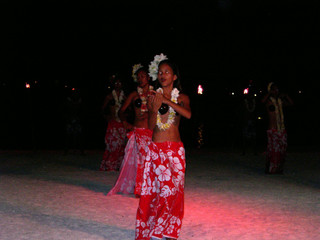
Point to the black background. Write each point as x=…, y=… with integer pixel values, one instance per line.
x=221, y=45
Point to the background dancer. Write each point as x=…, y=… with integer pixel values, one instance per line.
x=161, y=206
x=277, y=134
x=130, y=177
x=116, y=133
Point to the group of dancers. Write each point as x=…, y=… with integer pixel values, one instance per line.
x=153, y=165
x=149, y=152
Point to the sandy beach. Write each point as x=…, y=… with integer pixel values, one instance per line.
x=50, y=196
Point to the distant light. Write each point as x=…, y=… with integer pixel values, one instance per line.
x=35, y=81
x=73, y=89
x=65, y=86
x=200, y=90
x=299, y=91
x=232, y=93
x=27, y=85
x=246, y=91
x=259, y=118
x=255, y=94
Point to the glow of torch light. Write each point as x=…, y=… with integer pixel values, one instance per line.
x=246, y=91
x=27, y=85
x=200, y=90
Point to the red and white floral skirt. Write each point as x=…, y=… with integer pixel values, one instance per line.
x=131, y=170
x=276, y=150
x=115, y=140
x=161, y=206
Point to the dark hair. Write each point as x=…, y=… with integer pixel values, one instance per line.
x=114, y=77
x=175, y=69
x=144, y=69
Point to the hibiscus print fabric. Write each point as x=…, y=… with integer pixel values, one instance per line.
x=131, y=170
x=115, y=143
x=276, y=150
x=143, y=139
x=161, y=205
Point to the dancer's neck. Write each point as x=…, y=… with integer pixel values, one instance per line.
x=145, y=88
x=167, y=90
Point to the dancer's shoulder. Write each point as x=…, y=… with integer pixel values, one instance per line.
x=183, y=98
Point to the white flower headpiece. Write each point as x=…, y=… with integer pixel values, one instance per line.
x=153, y=67
x=135, y=68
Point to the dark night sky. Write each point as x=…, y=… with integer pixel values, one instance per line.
x=221, y=45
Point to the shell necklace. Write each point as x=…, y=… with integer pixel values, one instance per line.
x=279, y=113
x=143, y=97
x=118, y=101
x=172, y=114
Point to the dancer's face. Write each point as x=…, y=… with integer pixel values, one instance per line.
x=166, y=77
x=117, y=84
x=274, y=90
x=143, y=78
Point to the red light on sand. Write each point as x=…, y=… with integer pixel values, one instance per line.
x=27, y=85
x=246, y=91
x=200, y=90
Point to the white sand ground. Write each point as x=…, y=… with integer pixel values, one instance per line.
x=49, y=196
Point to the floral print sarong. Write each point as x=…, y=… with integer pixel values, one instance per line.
x=115, y=143
x=131, y=170
x=276, y=150
x=161, y=206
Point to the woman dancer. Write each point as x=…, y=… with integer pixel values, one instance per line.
x=116, y=133
x=161, y=205
x=277, y=134
x=130, y=177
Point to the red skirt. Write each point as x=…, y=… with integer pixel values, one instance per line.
x=276, y=150
x=161, y=206
x=131, y=170
x=115, y=143
x=143, y=139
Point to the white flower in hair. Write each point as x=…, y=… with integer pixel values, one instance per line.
x=135, y=68
x=153, y=67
